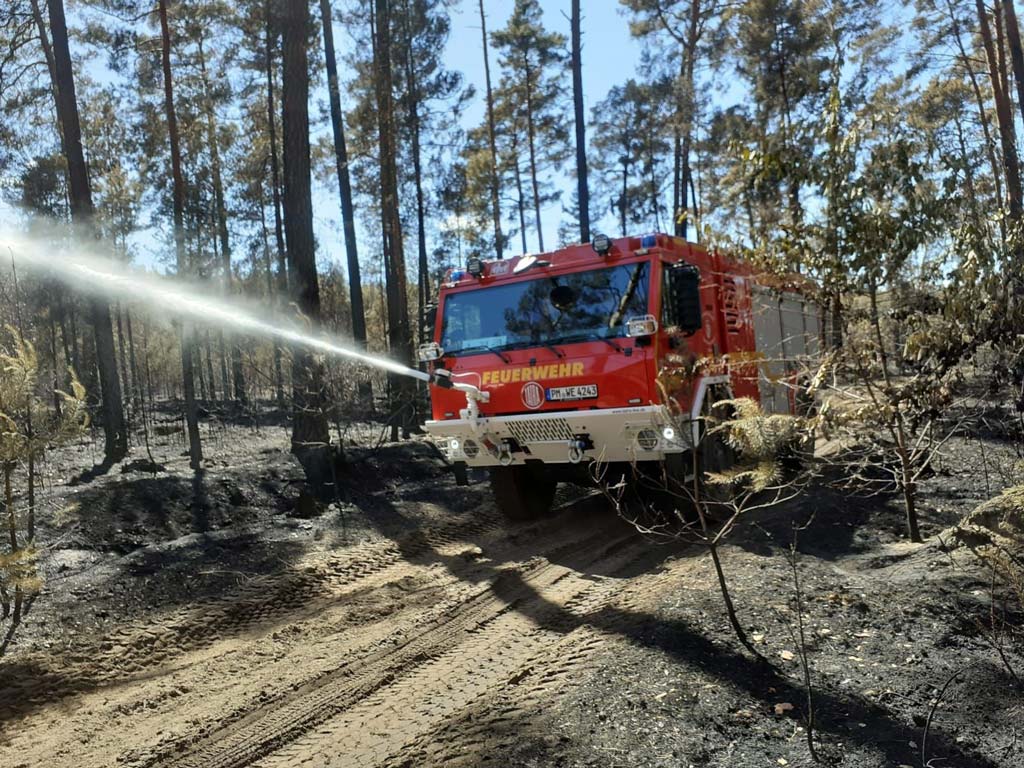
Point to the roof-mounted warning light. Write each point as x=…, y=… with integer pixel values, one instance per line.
x=602, y=245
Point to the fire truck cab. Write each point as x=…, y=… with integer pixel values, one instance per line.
x=609, y=352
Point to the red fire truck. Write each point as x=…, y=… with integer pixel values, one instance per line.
x=609, y=352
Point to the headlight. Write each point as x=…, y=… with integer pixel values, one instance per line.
x=647, y=439
x=668, y=433
x=454, y=444
x=470, y=448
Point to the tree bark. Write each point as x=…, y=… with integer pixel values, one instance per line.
x=186, y=337
x=1004, y=118
x=582, y=186
x=275, y=176
x=492, y=139
x=126, y=386
x=1017, y=61
x=531, y=137
x=423, y=281
x=272, y=295
x=398, y=304
x=237, y=371
x=114, y=430
x=310, y=436
x=355, y=285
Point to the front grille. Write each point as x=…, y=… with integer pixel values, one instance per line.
x=540, y=431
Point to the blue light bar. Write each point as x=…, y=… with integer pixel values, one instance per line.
x=648, y=241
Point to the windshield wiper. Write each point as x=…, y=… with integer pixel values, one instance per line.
x=483, y=348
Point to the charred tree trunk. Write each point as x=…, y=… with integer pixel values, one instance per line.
x=310, y=436
x=275, y=176
x=413, y=108
x=195, y=449
x=237, y=372
x=134, y=364
x=399, y=337
x=114, y=430
x=492, y=140
x=582, y=186
x=344, y=182
x=126, y=386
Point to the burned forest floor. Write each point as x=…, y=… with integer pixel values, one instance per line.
x=216, y=619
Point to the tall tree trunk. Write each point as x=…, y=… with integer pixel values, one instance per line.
x=114, y=431
x=55, y=381
x=355, y=285
x=204, y=393
x=212, y=140
x=398, y=304
x=44, y=40
x=622, y=200
x=126, y=386
x=521, y=197
x=1004, y=119
x=272, y=296
x=186, y=337
x=275, y=177
x=582, y=186
x=492, y=140
x=678, y=220
x=413, y=102
x=310, y=436
x=531, y=137
x=208, y=348
x=983, y=120
x=134, y=364
x=1017, y=60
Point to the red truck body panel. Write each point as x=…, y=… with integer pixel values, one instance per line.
x=625, y=370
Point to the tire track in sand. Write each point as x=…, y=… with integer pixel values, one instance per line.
x=142, y=646
x=471, y=646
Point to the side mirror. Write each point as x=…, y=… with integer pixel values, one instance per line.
x=429, y=352
x=684, y=295
x=429, y=318
x=644, y=325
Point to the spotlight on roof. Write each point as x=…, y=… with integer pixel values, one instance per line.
x=475, y=266
x=602, y=245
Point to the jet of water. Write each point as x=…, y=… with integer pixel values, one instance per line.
x=86, y=269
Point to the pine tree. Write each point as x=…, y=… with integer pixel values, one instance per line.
x=532, y=84
x=344, y=181
x=114, y=427
x=629, y=151
x=310, y=436
x=185, y=336
x=582, y=187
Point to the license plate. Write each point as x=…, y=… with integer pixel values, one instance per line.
x=575, y=392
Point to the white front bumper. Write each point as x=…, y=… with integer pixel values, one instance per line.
x=646, y=433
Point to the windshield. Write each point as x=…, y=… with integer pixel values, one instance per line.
x=548, y=310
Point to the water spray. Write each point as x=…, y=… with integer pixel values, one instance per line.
x=82, y=269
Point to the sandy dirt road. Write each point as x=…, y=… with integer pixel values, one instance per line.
x=432, y=648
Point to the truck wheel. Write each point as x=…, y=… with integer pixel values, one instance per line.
x=713, y=455
x=521, y=493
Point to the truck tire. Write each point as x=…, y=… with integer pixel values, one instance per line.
x=521, y=493
x=713, y=455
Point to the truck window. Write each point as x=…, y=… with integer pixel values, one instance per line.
x=546, y=310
